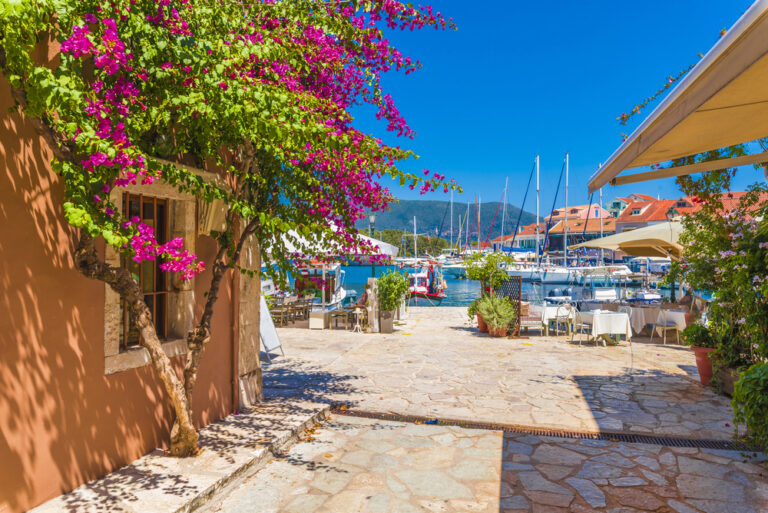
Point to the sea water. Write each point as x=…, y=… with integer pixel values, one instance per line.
x=461, y=292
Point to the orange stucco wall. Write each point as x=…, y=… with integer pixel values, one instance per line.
x=62, y=421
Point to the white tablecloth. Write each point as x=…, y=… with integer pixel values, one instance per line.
x=676, y=316
x=642, y=316
x=552, y=312
x=608, y=323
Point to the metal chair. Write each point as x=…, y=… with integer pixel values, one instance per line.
x=564, y=316
x=580, y=324
x=665, y=325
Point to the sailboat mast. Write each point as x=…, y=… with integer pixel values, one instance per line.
x=565, y=226
x=504, y=213
x=479, y=202
x=415, y=240
x=451, y=218
x=602, y=255
x=466, y=218
x=537, y=209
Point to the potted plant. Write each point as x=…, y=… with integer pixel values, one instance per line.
x=703, y=343
x=473, y=312
x=498, y=313
x=750, y=403
x=489, y=270
x=390, y=290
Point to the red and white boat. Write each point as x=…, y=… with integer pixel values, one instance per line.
x=427, y=283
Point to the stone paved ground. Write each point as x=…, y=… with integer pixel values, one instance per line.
x=438, y=365
x=360, y=465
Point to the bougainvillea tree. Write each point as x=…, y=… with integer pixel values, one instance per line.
x=259, y=93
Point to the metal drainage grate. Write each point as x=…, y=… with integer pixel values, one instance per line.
x=726, y=445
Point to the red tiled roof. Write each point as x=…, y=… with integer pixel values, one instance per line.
x=592, y=226
x=574, y=210
x=656, y=210
x=525, y=230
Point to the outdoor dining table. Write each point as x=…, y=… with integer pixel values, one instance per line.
x=644, y=315
x=551, y=313
x=606, y=323
x=676, y=316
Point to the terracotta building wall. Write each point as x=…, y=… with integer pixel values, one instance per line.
x=62, y=420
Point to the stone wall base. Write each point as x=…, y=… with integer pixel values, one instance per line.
x=251, y=392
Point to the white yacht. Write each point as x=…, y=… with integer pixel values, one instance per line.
x=526, y=270
x=557, y=274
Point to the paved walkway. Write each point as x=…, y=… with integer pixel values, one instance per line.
x=160, y=483
x=360, y=465
x=437, y=365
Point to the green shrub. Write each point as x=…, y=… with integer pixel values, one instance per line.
x=472, y=309
x=497, y=312
x=750, y=402
x=391, y=288
x=488, y=269
x=699, y=336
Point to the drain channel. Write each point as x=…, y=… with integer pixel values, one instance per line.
x=609, y=436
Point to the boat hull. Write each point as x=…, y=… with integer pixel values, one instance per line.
x=434, y=298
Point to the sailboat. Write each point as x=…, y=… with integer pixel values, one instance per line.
x=561, y=274
x=527, y=270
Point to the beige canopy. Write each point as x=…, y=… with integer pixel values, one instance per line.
x=722, y=101
x=656, y=240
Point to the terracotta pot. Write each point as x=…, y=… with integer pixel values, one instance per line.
x=481, y=325
x=728, y=378
x=703, y=363
x=497, y=332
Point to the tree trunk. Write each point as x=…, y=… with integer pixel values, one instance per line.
x=183, y=435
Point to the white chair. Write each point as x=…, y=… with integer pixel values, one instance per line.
x=564, y=316
x=663, y=325
x=627, y=310
x=581, y=325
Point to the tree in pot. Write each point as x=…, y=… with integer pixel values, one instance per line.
x=703, y=343
x=498, y=313
x=390, y=289
x=488, y=269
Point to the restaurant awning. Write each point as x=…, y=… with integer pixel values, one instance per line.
x=722, y=101
x=656, y=240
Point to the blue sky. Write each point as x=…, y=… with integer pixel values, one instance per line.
x=520, y=78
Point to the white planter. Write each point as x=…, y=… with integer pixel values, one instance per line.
x=386, y=321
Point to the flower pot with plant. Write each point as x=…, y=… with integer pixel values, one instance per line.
x=472, y=312
x=498, y=313
x=390, y=290
x=703, y=343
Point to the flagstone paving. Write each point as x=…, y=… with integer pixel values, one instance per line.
x=361, y=465
x=436, y=364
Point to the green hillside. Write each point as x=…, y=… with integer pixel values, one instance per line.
x=431, y=214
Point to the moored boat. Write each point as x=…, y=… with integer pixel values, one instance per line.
x=427, y=283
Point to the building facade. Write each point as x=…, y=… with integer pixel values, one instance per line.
x=79, y=396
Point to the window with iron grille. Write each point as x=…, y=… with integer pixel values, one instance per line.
x=152, y=280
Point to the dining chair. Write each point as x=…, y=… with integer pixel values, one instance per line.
x=663, y=324
x=581, y=324
x=564, y=316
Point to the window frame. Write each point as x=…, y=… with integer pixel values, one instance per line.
x=157, y=291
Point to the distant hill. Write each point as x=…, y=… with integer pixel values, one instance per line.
x=431, y=214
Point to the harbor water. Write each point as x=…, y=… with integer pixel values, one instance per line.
x=461, y=292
